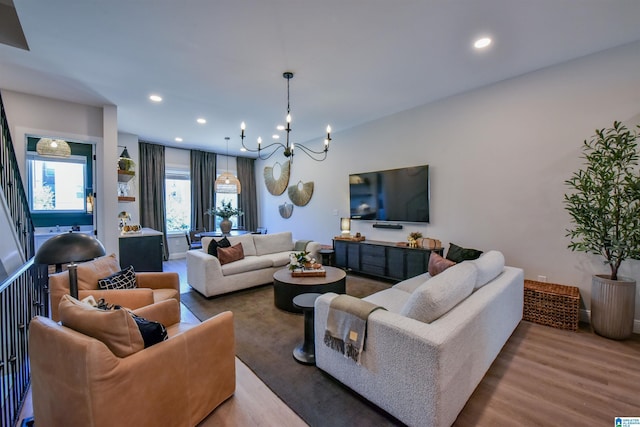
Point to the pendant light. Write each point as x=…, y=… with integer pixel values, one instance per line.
x=227, y=183
x=49, y=147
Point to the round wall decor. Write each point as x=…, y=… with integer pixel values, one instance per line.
x=277, y=186
x=301, y=193
x=285, y=210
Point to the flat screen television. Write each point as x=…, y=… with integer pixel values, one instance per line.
x=390, y=195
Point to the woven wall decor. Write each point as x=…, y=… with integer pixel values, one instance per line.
x=301, y=193
x=277, y=186
x=286, y=210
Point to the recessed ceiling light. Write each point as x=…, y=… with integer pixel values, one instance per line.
x=178, y=139
x=155, y=98
x=275, y=136
x=481, y=43
x=280, y=127
x=243, y=149
x=201, y=120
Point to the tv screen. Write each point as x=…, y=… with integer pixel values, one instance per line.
x=391, y=195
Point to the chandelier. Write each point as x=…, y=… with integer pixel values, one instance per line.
x=288, y=148
x=227, y=182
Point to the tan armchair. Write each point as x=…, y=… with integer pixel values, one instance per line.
x=152, y=286
x=78, y=381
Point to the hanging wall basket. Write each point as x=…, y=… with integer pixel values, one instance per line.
x=301, y=193
x=285, y=210
x=277, y=186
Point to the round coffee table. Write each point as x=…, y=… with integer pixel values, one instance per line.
x=287, y=287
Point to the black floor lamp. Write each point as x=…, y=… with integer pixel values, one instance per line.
x=69, y=248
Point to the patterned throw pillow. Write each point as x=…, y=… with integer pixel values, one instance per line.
x=215, y=244
x=125, y=279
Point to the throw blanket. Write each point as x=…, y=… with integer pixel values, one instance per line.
x=347, y=325
x=301, y=245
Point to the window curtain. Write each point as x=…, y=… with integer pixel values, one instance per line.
x=247, y=199
x=152, y=191
x=203, y=177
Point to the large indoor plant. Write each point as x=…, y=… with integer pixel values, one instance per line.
x=605, y=212
x=225, y=211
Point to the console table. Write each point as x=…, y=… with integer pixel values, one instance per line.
x=382, y=259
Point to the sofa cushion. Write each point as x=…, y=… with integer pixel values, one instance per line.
x=489, y=266
x=250, y=263
x=229, y=255
x=90, y=272
x=272, y=243
x=278, y=259
x=123, y=279
x=437, y=264
x=411, y=284
x=440, y=294
x=115, y=328
x=248, y=246
x=392, y=299
x=458, y=254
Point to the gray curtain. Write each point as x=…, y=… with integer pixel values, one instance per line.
x=247, y=199
x=203, y=177
x=152, y=191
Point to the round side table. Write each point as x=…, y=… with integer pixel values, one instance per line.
x=306, y=351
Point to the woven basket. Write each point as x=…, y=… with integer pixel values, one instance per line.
x=551, y=304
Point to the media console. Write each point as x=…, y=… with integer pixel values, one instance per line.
x=382, y=259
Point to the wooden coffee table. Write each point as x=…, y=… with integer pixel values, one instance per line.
x=286, y=287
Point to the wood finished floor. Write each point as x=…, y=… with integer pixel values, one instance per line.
x=542, y=377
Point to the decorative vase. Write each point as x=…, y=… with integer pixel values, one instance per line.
x=225, y=226
x=612, y=306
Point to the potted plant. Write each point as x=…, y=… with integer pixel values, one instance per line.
x=225, y=211
x=605, y=212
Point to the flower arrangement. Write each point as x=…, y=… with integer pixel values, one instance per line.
x=300, y=261
x=225, y=211
x=413, y=238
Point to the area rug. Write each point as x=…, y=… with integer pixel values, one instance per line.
x=265, y=339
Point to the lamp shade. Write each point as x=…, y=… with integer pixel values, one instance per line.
x=345, y=225
x=49, y=147
x=69, y=247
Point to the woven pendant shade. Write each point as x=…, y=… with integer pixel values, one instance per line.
x=53, y=147
x=227, y=183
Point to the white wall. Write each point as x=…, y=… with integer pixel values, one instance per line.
x=498, y=160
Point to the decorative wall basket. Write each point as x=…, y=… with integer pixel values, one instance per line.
x=277, y=186
x=301, y=193
x=285, y=210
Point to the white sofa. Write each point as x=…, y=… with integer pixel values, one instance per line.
x=424, y=371
x=264, y=254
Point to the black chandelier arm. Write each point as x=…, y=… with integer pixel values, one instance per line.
x=312, y=153
x=277, y=145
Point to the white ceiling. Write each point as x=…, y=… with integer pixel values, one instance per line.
x=354, y=60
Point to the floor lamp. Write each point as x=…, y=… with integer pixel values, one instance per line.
x=69, y=248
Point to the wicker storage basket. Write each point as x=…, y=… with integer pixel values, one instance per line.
x=551, y=304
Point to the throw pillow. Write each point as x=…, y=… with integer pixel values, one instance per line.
x=227, y=255
x=437, y=264
x=215, y=244
x=124, y=279
x=458, y=254
x=115, y=328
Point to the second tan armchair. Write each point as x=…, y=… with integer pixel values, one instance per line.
x=151, y=286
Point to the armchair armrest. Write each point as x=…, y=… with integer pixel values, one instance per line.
x=166, y=312
x=129, y=298
x=158, y=280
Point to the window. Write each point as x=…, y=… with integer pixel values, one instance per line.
x=57, y=184
x=178, y=197
x=227, y=164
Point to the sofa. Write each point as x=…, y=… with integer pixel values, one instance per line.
x=93, y=369
x=263, y=255
x=430, y=347
x=150, y=287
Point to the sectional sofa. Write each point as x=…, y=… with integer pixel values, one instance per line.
x=426, y=353
x=263, y=255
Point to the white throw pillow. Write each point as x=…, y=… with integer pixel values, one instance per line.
x=273, y=243
x=441, y=293
x=489, y=265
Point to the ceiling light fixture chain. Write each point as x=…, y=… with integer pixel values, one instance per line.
x=227, y=182
x=288, y=148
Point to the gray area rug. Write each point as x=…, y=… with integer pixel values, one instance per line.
x=265, y=339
